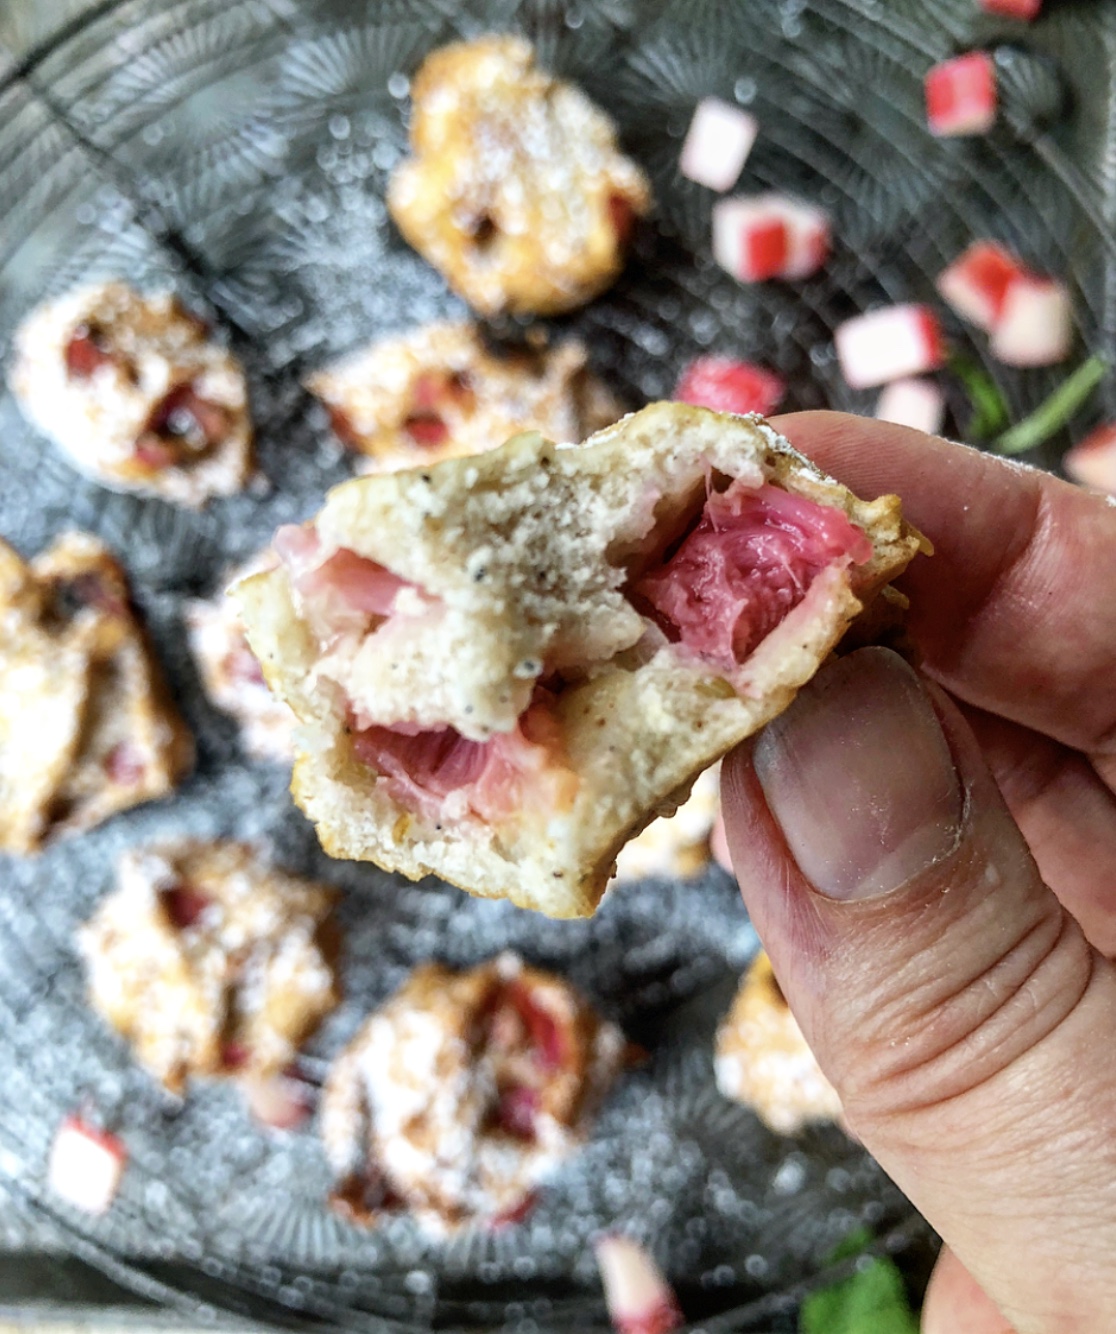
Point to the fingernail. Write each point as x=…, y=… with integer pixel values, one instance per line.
x=859, y=777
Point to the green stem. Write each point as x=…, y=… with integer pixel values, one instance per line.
x=1052, y=415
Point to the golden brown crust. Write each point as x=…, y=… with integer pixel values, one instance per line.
x=441, y=391
x=462, y=1092
x=209, y=962
x=516, y=190
x=763, y=1061
x=87, y=724
x=554, y=533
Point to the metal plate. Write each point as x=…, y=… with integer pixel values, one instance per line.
x=240, y=152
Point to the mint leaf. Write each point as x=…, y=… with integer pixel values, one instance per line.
x=990, y=410
x=1053, y=414
x=873, y=1300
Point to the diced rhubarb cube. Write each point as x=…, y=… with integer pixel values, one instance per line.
x=1035, y=327
x=639, y=1299
x=717, y=144
x=889, y=344
x=280, y=1101
x=961, y=95
x=976, y=283
x=919, y=404
x=769, y=236
x=1025, y=10
x=728, y=385
x=85, y=1165
x=809, y=232
x=1093, y=461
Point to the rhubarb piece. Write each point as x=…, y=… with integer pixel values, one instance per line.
x=209, y=962
x=769, y=236
x=762, y=1059
x=464, y=1092
x=976, y=283
x=442, y=392
x=136, y=393
x=727, y=385
x=1035, y=325
x=961, y=96
x=87, y=726
x=717, y=143
x=889, y=344
x=919, y=404
x=638, y=1297
x=538, y=224
x=231, y=673
x=1093, y=461
x=677, y=844
x=85, y=1166
x=565, y=639
x=1024, y=10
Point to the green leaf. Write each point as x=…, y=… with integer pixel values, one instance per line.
x=1053, y=414
x=990, y=410
x=872, y=1300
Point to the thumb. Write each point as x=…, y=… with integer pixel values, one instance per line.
x=962, y=1016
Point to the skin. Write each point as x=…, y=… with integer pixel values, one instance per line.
x=966, y=1013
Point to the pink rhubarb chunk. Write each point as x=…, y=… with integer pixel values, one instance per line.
x=1024, y=10
x=497, y=777
x=717, y=144
x=1035, y=326
x=85, y=1165
x=919, y=404
x=961, y=95
x=638, y=1297
x=1093, y=461
x=889, y=344
x=769, y=236
x=727, y=385
x=749, y=561
x=977, y=282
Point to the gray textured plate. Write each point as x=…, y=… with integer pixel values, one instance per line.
x=240, y=152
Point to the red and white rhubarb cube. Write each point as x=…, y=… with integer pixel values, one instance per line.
x=727, y=385
x=1093, y=461
x=717, y=144
x=1035, y=326
x=85, y=1165
x=961, y=95
x=769, y=236
x=919, y=404
x=639, y=1299
x=976, y=283
x=1025, y=10
x=889, y=344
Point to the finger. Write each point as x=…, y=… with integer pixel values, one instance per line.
x=1066, y=814
x=1014, y=610
x=957, y=1008
x=956, y=1303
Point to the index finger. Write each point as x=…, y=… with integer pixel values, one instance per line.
x=1016, y=610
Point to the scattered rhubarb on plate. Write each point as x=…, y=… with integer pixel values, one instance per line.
x=1035, y=325
x=85, y=1165
x=727, y=385
x=961, y=95
x=769, y=236
x=889, y=344
x=975, y=285
x=717, y=144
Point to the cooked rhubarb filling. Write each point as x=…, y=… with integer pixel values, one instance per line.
x=463, y=1092
x=723, y=582
x=750, y=559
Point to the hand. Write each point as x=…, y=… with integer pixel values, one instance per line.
x=930, y=861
